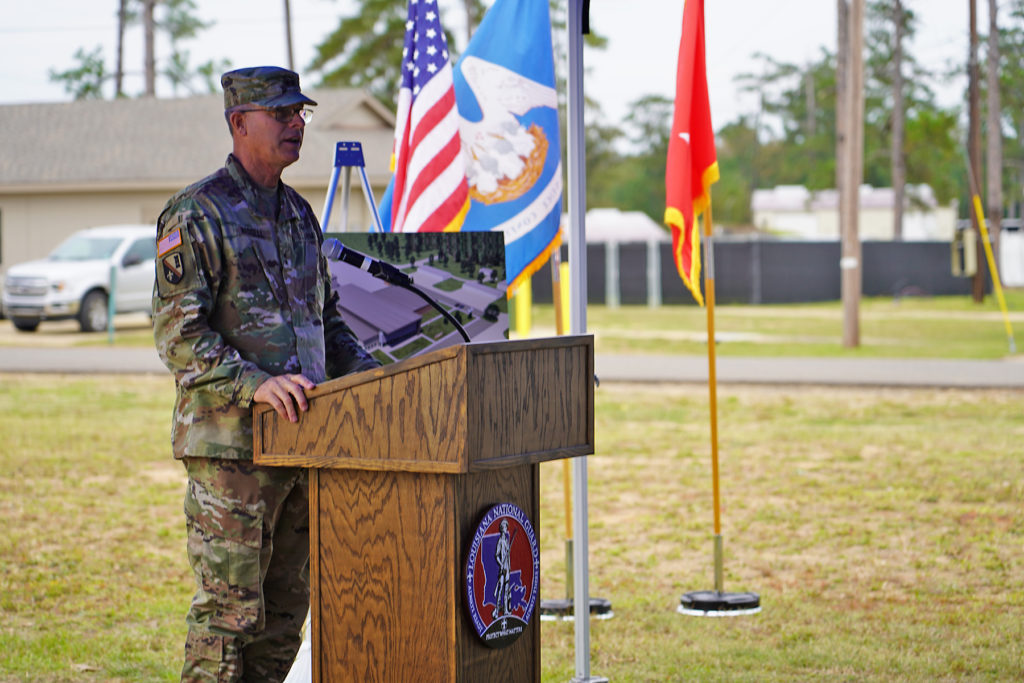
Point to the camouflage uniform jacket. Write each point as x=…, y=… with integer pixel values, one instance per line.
x=240, y=297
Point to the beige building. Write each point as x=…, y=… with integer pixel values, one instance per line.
x=73, y=165
x=793, y=211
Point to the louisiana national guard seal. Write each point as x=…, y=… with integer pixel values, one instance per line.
x=502, y=575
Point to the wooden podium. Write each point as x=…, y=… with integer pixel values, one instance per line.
x=404, y=460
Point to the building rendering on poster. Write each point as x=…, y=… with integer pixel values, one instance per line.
x=464, y=272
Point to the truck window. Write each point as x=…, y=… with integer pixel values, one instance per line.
x=142, y=250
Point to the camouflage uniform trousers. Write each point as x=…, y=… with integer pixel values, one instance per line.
x=248, y=544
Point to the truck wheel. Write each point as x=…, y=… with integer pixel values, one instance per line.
x=93, y=315
x=26, y=324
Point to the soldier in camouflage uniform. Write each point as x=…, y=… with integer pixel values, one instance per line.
x=244, y=312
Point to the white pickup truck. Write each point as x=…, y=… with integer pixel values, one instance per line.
x=74, y=280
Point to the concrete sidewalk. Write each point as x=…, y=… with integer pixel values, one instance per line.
x=81, y=360
x=891, y=372
x=1006, y=374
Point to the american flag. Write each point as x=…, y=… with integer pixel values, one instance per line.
x=430, y=190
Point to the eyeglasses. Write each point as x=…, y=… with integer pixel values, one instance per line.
x=284, y=114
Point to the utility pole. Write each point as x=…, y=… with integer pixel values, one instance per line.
x=811, y=102
x=852, y=172
x=149, y=23
x=122, y=19
x=842, y=53
x=899, y=162
x=974, y=146
x=472, y=20
x=288, y=34
x=994, y=139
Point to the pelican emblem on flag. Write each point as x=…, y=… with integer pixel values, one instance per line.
x=504, y=158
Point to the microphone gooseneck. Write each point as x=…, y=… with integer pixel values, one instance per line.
x=334, y=250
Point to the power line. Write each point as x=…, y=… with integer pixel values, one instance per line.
x=81, y=28
x=84, y=28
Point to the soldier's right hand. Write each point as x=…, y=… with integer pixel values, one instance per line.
x=285, y=393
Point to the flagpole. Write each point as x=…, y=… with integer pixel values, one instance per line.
x=709, y=297
x=576, y=206
x=556, y=290
x=716, y=602
x=553, y=609
x=987, y=244
x=690, y=171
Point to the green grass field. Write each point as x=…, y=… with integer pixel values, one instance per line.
x=933, y=327
x=883, y=529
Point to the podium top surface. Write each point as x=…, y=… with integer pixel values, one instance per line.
x=465, y=408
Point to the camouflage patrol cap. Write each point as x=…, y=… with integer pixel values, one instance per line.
x=264, y=86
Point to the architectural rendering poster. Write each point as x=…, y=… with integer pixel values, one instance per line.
x=462, y=271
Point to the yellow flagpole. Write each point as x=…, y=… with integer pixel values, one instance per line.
x=709, y=297
x=717, y=602
x=996, y=285
x=556, y=295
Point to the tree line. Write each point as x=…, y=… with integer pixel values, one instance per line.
x=788, y=139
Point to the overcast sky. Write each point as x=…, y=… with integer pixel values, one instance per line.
x=37, y=35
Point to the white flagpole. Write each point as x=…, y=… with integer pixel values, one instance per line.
x=576, y=205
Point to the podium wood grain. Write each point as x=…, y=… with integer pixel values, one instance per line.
x=460, y=409
x=391, y=600
x=404, y=462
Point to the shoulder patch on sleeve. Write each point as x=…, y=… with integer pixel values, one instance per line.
x=170, y=241
x=175, y=263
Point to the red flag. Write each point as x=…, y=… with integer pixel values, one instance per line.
x=430, y=189
x=692, y=164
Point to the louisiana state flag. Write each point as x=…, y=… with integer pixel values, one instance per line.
x=692, y=163
x=508, y=109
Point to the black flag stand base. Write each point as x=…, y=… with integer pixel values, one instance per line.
x=718, y=603
x=562, y=610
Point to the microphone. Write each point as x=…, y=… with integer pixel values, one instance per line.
x=336, y=251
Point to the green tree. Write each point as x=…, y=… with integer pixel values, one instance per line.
x=177, y=21
x=791, y=138
x=739, y=157
x=635, y=181
x=1011, y=91
x=84, y=81
x=796, y=120
x=896, y=91
x=365, y=50
x=602, y=163
x=934, y=152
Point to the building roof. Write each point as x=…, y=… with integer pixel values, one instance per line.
x=150, y=143
x=379, y=312
x=402, y=299
x=781, y=198
x=798, y=198
x=615, y=225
